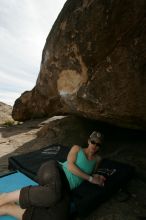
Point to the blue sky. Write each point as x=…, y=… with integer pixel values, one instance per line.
x=24, y=27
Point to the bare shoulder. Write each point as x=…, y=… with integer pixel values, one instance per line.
x=75, y=148
x=73, y=153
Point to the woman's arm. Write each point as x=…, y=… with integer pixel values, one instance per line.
x=76, y=171
x=98, y=160
x=100, y=179
x=71, y=159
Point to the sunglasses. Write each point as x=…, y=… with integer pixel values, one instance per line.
x=97, y=144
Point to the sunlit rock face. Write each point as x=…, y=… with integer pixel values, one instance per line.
x=5, y=114
x=93, y=65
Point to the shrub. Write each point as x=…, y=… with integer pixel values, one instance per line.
x=9, y=123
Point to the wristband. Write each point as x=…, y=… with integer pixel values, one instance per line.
x=90, y=179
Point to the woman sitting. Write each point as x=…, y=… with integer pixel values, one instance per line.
x=82, y=162
x=50, y=199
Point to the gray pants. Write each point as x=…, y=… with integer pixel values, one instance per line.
x=50, y=200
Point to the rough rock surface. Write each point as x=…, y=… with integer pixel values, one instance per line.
x=5, y=113
x=93, y=65
x=120, y=144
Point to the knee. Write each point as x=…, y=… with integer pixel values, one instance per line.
x=48, y=172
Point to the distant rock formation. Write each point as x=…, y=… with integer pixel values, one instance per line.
x=93, y=65
x=5, y=113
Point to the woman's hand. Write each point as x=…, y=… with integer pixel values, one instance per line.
x=71, y=160
x=98, y=179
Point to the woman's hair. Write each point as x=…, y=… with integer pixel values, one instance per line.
x=96, y=137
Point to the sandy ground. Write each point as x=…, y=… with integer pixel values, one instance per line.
x=18, y=139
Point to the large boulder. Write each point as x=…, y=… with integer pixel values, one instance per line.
x=93, y=65
x=5, y=114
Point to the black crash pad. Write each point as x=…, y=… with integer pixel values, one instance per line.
x=87, y=196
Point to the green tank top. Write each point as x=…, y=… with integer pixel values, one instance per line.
x=83, y=164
